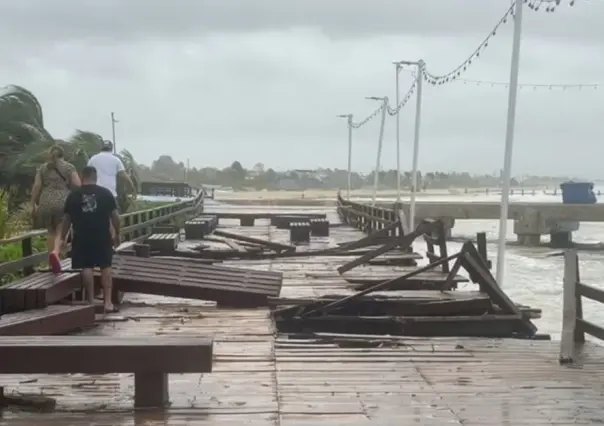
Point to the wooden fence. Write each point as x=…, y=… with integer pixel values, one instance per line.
x=135, y=227
x=574, y=326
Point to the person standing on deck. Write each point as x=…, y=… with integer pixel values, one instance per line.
x=109, y=169
x=52, y=184
x=91, y=209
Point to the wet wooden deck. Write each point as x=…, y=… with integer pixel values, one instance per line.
x=261, y=378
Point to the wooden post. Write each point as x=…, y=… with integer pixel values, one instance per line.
x=568, y=336
x=26, y=251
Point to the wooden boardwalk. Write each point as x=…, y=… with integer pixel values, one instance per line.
x=263, y=378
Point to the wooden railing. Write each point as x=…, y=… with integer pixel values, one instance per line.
x=367, y=218
x=373, y=219
x=574, y=326
x=135, y=227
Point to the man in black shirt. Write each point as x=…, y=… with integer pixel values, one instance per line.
x=91, y=209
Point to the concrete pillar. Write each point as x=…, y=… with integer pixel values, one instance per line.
x=530, y=227
x=561, y=232
x=561, y=239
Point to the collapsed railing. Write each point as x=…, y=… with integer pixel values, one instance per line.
x=490, y=313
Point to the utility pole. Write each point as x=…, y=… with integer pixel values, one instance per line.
x=398, y=68
x=113, y=121
x=349, y=117
x=418, y=114
x=376, y=177
x=509, y=140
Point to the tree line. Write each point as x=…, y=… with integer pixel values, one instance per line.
x=236, y=176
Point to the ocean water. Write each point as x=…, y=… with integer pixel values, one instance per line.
x=531, y=276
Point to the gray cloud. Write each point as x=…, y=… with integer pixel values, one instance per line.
x=44, y=20
x=215, y=81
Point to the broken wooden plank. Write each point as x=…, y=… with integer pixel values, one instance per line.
x=265, y=243
x=403, y=241
x=372, y=239
x=494, y=326
x=380, y=286
x=232, y=244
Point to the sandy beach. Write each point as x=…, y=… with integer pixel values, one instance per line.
x=328, y=196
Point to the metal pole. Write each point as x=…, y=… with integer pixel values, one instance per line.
x=349, y=155
x=509, y=140
x=113, y=121
x=349, y=121
x=398, y=141
x=418, y=113
x=376, y=177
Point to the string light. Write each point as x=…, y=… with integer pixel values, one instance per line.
x=534, y=5
x=368, y=118
x=446, y=78
x=406, y=98
x=454, y=75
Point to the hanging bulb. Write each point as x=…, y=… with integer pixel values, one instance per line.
x=572, y=2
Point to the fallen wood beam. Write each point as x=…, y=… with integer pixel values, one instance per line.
x=369, y=240
x=380, y=286
x=432, y=326
x=403, y=241
x=232, y=244
x=252, y=240
x=475, y=265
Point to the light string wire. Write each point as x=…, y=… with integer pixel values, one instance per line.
x=534, y=86
x=534, y=5
x=403, y=102
x=454, y=75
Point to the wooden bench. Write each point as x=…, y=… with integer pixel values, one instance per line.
x=38, y=290
x=56, y=319
x=151, y=359
x=184, y=278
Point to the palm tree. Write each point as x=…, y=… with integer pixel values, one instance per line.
x=24, y=142
x=22, y=139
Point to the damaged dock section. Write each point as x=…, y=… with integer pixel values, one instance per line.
x=349, y=326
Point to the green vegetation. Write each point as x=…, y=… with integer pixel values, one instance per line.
x=24, y=143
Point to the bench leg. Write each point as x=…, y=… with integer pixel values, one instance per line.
x=151, y=390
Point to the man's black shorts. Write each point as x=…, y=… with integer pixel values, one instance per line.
x=85, y=255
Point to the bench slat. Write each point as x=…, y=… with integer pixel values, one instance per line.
x=103, y=355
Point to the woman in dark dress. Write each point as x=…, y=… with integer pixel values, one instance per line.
x=53, y=182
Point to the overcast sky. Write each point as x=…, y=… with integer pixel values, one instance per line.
x=262, y=80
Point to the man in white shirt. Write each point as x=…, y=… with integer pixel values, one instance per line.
x=109, y=169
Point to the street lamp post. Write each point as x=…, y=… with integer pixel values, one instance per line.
x=376, y=176
x=398, y=68
x=349, y=118
x=418, y=113
x=509, y=140
x=113, y=121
